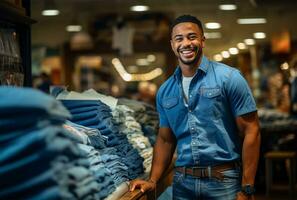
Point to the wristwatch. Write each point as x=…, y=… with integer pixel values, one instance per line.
x=248, y=189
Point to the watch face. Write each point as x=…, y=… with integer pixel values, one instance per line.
x=248, y=189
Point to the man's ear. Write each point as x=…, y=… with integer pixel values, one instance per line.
x=172, y=45
x=203, y=41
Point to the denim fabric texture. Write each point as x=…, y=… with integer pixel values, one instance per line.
x=206, y=130
x=186, y=187
x=40, y=159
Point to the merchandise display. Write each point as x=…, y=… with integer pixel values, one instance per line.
x=84, y=149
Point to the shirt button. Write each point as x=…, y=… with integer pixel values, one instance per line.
x=190, y=110
x=190, y=96
x=193, y=143
x=192, y=128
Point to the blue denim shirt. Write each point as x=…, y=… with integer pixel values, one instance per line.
x=206, y=130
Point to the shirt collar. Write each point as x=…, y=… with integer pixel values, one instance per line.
x=203, y=67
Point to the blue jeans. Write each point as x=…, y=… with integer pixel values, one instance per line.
x=186, y=187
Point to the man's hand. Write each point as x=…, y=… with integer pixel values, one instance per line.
x=142, y=185
x=241, y=196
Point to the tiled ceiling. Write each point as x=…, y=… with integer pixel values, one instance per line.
x=280, y=15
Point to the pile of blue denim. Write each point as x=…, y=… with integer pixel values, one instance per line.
x=40, y=159
x=272, y=120
x=97, y=115
x=146, y=115
x=124, y=117
x=101, y=157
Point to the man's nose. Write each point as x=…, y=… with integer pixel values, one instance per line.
x=186, y=42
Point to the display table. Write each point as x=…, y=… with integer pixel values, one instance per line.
x=164, y=182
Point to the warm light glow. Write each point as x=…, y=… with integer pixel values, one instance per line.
x=227, y=7
x=142, y=62
x=151, y=58
x=127, y=77
x=139, y=8
x=249, y=41
x=225, y=54
x=213, y=35
x=135, y=77
x=73, y=28
x=284, y=66
x=50, y=12
x=259, y=35
x=251, y=21
x=233, y=50
x=241, y=45
x=218, y=57
x=213, y=25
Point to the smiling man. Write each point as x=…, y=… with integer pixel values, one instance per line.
x=207, y=112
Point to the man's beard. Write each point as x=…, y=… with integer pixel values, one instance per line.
x=195, y=60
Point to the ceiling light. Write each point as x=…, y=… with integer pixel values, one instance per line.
x=213, y=25
x=241, y=45
x=73, y=28
x=227, y=7
x=213, y=35
x=233, y=50
x=251, y=21
x=249, y=41
x=50, y=12
x=139, y=8
x=218, y=57
x=50, y=8
x=259, y=35
x=225, y=54
x=151, y=58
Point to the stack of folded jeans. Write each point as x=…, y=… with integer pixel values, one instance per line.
x=124, y=117
x=95, y=114
x=146, y=115
x=85, y=135
x=39, y=158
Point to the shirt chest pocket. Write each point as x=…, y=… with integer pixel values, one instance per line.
x=210, y=100
x=169, y=103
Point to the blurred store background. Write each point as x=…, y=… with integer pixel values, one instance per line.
x=121, y=48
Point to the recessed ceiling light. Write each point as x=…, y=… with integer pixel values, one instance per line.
x=151, y=58
x=74, y=28
x=50, y=12
x=227, y=7
x=251, y=21
x=213, y=25
x=259, y=35
x=225, y=54
x=233, y=50
x=241, y=45
x=218, y=57
x=249, y=41
x=212, y=35
x=139, y=8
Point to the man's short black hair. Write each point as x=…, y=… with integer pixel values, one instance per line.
x=187, y=18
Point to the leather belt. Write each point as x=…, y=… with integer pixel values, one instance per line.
x=208, y=172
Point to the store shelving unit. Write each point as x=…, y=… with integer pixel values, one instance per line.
x=17, y=17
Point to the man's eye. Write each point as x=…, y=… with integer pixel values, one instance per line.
x=178, y=39
x=193, y=37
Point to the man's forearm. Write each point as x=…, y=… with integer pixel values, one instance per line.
x=250, y=156
x=163, y=153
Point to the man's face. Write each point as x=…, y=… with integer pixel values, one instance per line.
x=187, y=42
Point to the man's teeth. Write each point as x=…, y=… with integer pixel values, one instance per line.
x=186, y=51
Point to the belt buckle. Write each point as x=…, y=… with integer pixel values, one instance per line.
x=201, y=171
